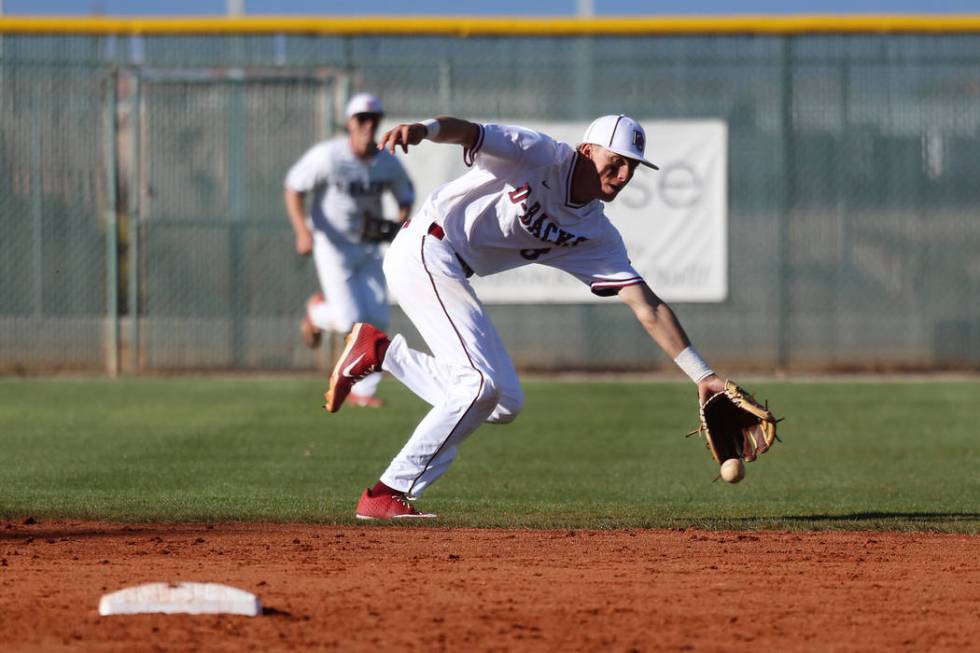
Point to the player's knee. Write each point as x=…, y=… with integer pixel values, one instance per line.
x=475, y=389
x=508, y=408
x=488, y=395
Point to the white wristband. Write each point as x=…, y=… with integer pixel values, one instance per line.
x=431, y=128
x=693, y=365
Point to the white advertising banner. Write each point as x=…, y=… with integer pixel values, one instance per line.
x=674, y=221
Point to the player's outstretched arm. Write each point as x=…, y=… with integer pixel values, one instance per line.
x=443, y=129
x=660, y=322
x=296, y=210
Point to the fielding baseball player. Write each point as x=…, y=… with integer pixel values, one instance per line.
x=347, y=176
x=528, y=199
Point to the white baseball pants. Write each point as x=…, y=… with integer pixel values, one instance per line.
x=468, y=379
x=353, y=284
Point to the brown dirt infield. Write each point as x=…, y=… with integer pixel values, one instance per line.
x=434, y=589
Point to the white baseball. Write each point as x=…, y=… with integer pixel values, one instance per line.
x=733, y=470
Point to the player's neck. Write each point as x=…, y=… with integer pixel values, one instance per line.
x=363, y=152
x=585, y=181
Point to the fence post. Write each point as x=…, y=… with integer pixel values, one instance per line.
x=841, y=168
x=446, y=86
x=584, y=78
x=237, y=131
x=111, y=235
x=37, y=246
x=133, y=251
x=787, y=201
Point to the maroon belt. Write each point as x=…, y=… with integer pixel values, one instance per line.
x=437, y=232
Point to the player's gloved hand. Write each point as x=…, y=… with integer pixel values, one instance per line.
x=735, y=425
x=708, y=386
x=379, y=230
x=304, y=243
x=403, y=135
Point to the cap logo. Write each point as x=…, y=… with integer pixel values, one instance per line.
x=638, y=141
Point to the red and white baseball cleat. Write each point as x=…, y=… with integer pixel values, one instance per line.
x=365, y=401
x=366, y=347
x=312, y=334
x=388, y=506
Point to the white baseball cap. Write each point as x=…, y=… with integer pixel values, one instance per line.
x=364, y=103
x=620, y=134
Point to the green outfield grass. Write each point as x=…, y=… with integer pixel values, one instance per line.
x=878, y=455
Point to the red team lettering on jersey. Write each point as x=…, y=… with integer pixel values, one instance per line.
x=540, y=226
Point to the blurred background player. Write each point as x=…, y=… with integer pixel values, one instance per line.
x=344, y=229
x=528, y=199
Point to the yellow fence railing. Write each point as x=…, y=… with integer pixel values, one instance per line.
x=495, y=26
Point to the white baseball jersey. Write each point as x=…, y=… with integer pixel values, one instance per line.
x=515, y=208
x=512, y=209
x=345, y=187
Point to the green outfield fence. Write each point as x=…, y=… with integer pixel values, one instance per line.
x=141, y=163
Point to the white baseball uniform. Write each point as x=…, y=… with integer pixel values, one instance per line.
x=345, y=189
x=513, y=208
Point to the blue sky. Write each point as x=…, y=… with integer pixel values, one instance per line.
x=496, y=7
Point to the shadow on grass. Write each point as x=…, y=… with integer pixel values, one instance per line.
x=943, y=522
x=871, y=516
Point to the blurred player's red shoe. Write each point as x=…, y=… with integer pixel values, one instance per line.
x=366, y=347
x=365, y=401
x=311, y=333
x=388, y=506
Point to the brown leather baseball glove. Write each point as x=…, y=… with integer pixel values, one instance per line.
x=736, y=425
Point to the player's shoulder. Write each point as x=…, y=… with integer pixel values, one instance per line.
x=551, y=171
x=386, y=158
x=335, y=145
x=324, y=149
x=514, y=132
x=553, y=164
x=608, y=232
x=564, y=155
x=602, y=231
x=539, y=149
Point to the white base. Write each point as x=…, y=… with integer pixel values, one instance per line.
x=182, y=598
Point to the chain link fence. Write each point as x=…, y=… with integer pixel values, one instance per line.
x=217, y=281
x=142, y=227
x=56, y=228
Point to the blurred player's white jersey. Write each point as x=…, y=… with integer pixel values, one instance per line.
x=346, y=188
x=515, y=208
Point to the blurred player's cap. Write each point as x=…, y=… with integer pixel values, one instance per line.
x=620, y=134
x=364, y=103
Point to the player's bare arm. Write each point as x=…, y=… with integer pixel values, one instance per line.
x=443, y=129
x=661, y=323
x=296, y=210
